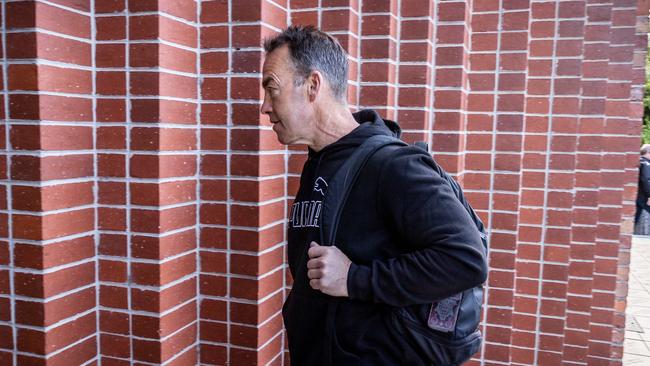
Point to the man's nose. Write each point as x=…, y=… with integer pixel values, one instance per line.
x=266, y=106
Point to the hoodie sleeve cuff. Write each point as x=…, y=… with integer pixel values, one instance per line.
x=359, y=282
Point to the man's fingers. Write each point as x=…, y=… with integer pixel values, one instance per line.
x=314, y=274
x=315, y=284
x=317, y=251
x=315, y=263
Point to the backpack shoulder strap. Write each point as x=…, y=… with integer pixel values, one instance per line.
x=342, y=182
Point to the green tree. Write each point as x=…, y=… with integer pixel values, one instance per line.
x=645, y=132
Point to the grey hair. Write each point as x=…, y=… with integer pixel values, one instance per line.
x=645, y=149
x=311, y=50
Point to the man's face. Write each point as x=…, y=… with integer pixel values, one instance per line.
x=286, y=105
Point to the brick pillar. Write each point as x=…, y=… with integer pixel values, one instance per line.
x=450, y=68
x=588, y=163
x=112, y=107
x=507, y=33
x=48, y=302
x=379, y=54
x=609, y=232
x=415, y=73
x=243, y=190
x=148, y=178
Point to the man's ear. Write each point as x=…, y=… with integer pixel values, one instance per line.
x=314, y=84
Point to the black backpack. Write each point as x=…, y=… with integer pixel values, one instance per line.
x=434, y=341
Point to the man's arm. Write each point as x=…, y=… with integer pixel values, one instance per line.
x=445, y=252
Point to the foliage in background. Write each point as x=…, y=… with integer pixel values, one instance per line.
x=645, y=133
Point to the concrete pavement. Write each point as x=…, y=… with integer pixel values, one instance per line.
x=637, y=330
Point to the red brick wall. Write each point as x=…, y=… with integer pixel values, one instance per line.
x=143, y=197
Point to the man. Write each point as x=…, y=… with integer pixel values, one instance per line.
x=403, y=240
x=642, y=216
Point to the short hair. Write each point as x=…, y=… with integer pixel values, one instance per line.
x=312, y=49
x=645, y=149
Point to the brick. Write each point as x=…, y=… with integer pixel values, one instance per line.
x=254, y=266
x=485, y=23
x=214, y=37
x=48, y=198
x=159, y=248
x=42, y=286
x=482, y=62
x=165, y=166
x=154, y=328
x=112, y=271
x=111, y=165
x=162, y=139
x=53, y=225
x=32, y=137
x=214, y=88
x=252, y=290
x=46, y=314
x=213, y=285
x=543, y=29
x=50, y=47
x=115, y=345
x=111, y=83
x=244, y=89
x=451, y=11
x=154, y=194
x=112, y=244
x=163, y=84
x=111, y=110
x=338, y=20
x=150, y=221
x=49, y=78
x=52, y=255
x=35, y=342
x=515, y=21
x=113, y=296
x=50, y=107
x=45, y=16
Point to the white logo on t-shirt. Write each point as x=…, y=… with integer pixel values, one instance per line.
x=320, y=185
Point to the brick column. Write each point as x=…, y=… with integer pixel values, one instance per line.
x=48, y=301
x=614, y=166
x=379, y=54
x=243, y=189
x=451, y=48
x=148, y=166
x=415, y=72
x=112, y=107
x=588, y=163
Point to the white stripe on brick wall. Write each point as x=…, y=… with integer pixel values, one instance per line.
x=8, y=147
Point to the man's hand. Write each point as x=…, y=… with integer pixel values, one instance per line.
x=648, y=202
x=327, y=270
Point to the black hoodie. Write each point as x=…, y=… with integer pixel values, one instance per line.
x=408, y=237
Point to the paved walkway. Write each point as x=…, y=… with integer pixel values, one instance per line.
x=637, y=331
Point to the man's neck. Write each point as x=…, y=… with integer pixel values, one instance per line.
x=332, y=125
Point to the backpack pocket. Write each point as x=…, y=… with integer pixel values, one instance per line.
x=436, y=347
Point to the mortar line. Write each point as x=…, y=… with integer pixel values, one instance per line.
x=9, y=184
x=127, y=169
